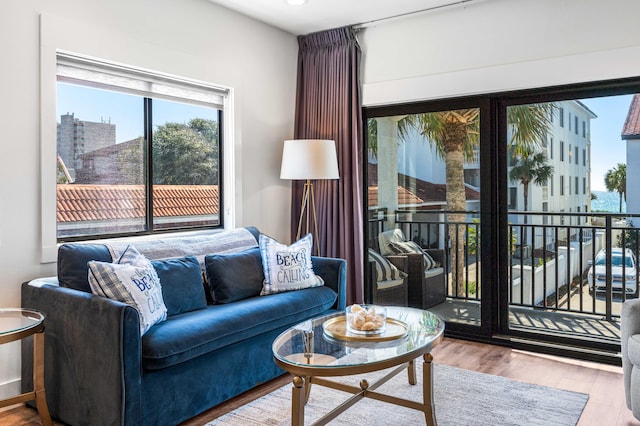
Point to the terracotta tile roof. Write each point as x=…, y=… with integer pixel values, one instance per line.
x=631, y=128
x=78, y=203
x=404, y=196
x=414, y=191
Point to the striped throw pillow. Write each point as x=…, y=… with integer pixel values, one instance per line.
x=385, y=270
x=405, y=247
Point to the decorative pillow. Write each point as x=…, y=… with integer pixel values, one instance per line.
x=182, y=286
x=133, y=280
x=287, y=267
x=411, y=247
x=385, y=270
x=234, y=276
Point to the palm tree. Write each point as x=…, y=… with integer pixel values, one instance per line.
x=531, y=168
x=615, y=180
x=455, y=135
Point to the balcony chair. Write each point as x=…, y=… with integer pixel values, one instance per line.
x=630, y=342
x=387, y=282
x=426, y=278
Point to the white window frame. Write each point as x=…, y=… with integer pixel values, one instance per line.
x=48, y=120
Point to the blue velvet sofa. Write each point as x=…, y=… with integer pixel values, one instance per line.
x=99, y=370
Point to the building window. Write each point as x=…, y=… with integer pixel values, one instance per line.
x=561, y=116
x=551, y=186
x=584, y=185
x=584, y=157
x=551, y=147
x=575, y=186
x=137, y=152
x=561, y=185
x=569, y=193
x=576, y=154
x=575, y=124
x=561, y=150
x=584, y=129
x=569, y=121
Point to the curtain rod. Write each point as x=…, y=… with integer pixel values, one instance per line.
x=404, y=15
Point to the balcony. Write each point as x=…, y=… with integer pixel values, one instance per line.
x=549, y=259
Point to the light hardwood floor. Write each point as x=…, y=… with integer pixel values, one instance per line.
x=603, y=383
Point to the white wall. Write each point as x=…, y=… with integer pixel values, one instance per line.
x=498, y=45
x=189, y=38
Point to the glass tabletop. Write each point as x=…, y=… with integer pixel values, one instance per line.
x=309, y=345
x=16, y=320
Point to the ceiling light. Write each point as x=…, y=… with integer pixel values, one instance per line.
x=296, y=2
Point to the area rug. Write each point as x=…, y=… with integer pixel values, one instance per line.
x=461, y=397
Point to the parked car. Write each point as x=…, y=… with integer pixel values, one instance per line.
x=617, y=271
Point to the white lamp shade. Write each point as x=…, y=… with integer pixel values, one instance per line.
x=304, y=159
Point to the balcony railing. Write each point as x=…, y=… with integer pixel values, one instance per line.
x=550, y=256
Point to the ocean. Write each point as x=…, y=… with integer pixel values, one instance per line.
x=607, y=202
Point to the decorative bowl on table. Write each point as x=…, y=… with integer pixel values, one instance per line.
x=366, y=319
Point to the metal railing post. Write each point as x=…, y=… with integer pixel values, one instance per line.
x=609, y=284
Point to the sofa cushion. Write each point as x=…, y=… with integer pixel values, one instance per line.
x=186, y=336
x=633, y=349
x=182, y=286
x=235, y=276
x=285, y=267
x=404, y=247
x=72, y=263
x=133, y=280
x=385, y=270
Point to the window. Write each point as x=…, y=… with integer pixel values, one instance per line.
x=561, y=150
x=584, y=157
x=569, y=193
x=551, y=185
x=561, y=116
x=575, y=127
x=569, y=121
x=576, y=154
x=561, y=185
x=584, y=185
x=575, y=186
x=137, y=152
x=584, y=129
x=513, y=198
x=551, y=147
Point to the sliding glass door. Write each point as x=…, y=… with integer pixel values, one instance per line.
x=424, y=182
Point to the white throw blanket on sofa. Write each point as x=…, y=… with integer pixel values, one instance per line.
x=230, y=241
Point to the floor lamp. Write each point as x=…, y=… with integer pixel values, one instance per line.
x=309, y=159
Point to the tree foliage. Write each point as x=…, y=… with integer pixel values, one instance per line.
x=615, y=180
x=186, y=154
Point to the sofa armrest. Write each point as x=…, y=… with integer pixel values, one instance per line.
x=92, y=356
x=629, y=326
x=334, y=273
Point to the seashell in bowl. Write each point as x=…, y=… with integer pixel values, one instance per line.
x=366, y=319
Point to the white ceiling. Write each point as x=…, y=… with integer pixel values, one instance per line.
x=319, y=15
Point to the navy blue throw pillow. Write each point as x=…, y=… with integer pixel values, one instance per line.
x=181, y=280
x=234, y=276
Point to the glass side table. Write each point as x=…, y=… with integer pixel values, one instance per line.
x=17, y=324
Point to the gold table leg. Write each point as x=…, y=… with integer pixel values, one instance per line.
x=38, y=379
x=298, y=399
x=427, y=390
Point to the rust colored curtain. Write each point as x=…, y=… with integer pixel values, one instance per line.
x=328, y=106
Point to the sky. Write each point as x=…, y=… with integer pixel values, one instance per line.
x=125, y=111
x=607, y=148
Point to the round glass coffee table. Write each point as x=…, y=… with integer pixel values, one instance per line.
x=321, y=347
x=16, y=324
